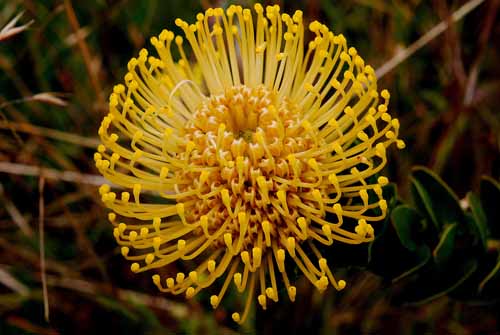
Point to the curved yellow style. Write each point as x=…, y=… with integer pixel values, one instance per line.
x=241, y=162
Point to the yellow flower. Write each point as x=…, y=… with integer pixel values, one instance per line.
x=234, y=171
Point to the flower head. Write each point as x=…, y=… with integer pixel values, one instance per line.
x=257, y=155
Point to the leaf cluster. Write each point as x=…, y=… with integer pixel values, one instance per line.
x=440, y=245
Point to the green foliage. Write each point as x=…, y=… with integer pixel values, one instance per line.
x=438, y=247
x=427, y=95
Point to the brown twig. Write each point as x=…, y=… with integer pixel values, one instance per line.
x=41, y=185
x=69, y=176
x=460, y=113
x=438, y=29
x=7, y=279
x=484, y=36
x=452, y=42
x=85, y=245
x=85, y=51
x=15, y=214
x=19, y=253
x=50, y=133
x=177, y=310
x=28, y=326
x=11, y=29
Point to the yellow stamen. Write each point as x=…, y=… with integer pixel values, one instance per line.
x=239, y=158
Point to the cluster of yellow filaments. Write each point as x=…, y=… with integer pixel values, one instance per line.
x=248, y=160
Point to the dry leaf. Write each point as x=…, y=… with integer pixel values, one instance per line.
x=49, y=98
x=10, y=29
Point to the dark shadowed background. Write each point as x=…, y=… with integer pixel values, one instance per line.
x=55, y=78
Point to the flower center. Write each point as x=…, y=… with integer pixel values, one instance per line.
x=249, y=176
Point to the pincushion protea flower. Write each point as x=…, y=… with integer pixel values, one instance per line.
x=250, y=157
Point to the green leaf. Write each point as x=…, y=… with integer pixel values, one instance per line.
x=490, y=195
x=434, y=198
x=390, y=257
x=147, y=316
x=418, y=259
x=406, y=221
x=479, y=216
x=436, y=282
x=116, y=306
x=469, y=290
x=443, y=251
x=390, y=194
x=491, y=277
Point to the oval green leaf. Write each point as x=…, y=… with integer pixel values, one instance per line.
x=443, y=251
x=406, y=221
x=490, y=198
x=434, y=198
x=494, y=274
x=436, y=282
x=480, y=223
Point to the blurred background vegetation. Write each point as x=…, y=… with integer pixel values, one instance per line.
x=55, y=77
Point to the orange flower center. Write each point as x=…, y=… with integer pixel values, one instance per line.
x=245, y=172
